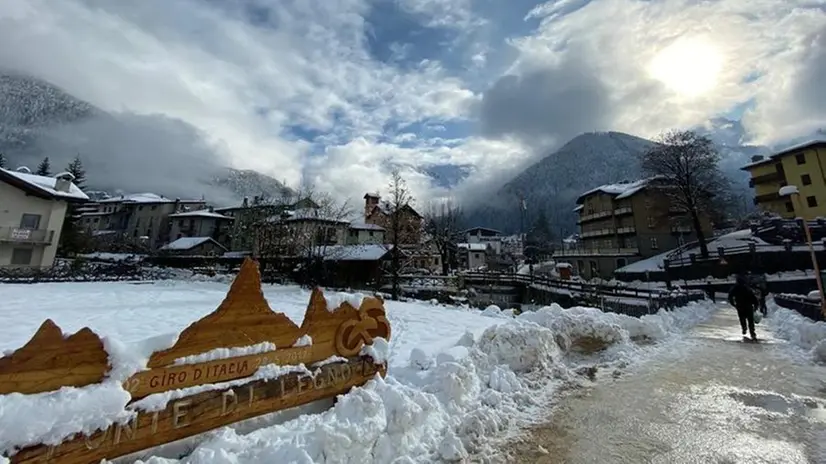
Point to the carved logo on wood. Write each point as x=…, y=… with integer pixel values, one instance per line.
x=50, y=361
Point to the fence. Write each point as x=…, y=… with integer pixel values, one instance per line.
x=74, y=271
x=634, y=301
x=802, y=305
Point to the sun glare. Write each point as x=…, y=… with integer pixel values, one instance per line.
x=689, y=67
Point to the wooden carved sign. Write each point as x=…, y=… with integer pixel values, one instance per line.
x=235, y=352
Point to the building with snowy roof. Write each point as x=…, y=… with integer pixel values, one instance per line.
x=801, y=166
x=625, y=222
x=138, y=216
x=32, y=215
x=194, y=246
x=201, y=223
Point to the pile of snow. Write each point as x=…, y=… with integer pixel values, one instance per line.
x=798, y=330
x=450, y=406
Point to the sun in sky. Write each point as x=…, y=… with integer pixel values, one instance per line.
x=690, y=66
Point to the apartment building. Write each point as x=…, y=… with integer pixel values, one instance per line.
x=32, y=211
x=802, y=166
x=141, y=216
x=201, y=223
x=251, y=213
x=624, y=223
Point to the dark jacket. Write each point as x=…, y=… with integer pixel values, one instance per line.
x=741, y=297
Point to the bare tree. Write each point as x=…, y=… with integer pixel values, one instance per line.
x=442, y=223
x=689, y=163
x=402, y=223
x=301, y=229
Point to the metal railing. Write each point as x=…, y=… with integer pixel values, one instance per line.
x=29, y=236
x=630, y=251
x=658, y=295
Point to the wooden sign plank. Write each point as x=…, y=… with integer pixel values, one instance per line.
x=206, y=411
x=189, y=375
x=50, y=361
x=244, y=318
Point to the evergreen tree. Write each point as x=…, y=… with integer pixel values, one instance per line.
x=73, y=239
x=44, y=168
x=2, y=161
x=76, y=169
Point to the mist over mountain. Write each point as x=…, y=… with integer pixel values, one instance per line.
x=121, y=151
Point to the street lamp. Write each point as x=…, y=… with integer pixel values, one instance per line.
x=794, y=193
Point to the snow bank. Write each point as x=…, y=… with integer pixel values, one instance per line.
x=451, y=405
x=798, y=330
x=334, y=300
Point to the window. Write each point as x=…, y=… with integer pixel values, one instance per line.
x=140, y=208
x=654, y=244
x=30, y=221
x=21, y=256
x=154, y=207
x=621, y=263
x=789, y=207
x=801, y=158
x=476, y=256
x=811, y=201
x=651, y=222
x=371, y=233
x=806, y=179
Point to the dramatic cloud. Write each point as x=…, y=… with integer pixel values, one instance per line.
x=338, y=93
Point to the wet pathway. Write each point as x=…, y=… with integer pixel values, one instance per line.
x=713, y=398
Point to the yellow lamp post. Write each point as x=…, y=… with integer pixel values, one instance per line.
x=794, y=193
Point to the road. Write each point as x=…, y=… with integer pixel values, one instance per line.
x=713, y=398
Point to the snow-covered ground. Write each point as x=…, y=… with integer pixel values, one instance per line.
x=459, y=380
x=798, y=330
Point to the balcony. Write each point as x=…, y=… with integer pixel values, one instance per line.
x=28, y=236
x=766, y=178
x=682, y=229
x=623, y=210
x=627, y=230
x=597, y=233
x=594, y=216
x=633, y=251
x=769, y=197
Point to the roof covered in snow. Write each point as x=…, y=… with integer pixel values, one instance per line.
x=42, y=186
x=366, y=226
x=145, y=198
x=786, y=151
x=188, y=243
x=473, y=246
x=620, y=190
x=354, y=252
x=203, y=213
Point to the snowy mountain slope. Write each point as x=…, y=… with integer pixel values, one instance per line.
x=121, y=151
x=553, y=184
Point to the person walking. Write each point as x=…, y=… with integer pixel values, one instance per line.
x=762, y=286
x=742, y=298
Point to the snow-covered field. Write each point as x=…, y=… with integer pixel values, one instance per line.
x=459, y=380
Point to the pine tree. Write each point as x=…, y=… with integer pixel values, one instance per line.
x=2, y=161
x=76, y=169
x=73, y=239
x=44, y=168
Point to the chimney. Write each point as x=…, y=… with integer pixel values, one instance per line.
x=246, y=202
x=177, y=205
x=211, y=209
x=256, y=199
x=756, y=158
x=63, y=182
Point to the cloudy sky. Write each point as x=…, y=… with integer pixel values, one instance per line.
x=337, y=92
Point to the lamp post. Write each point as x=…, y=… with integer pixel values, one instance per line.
x=794, y=193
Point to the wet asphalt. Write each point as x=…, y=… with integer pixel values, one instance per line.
x=710, y=397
